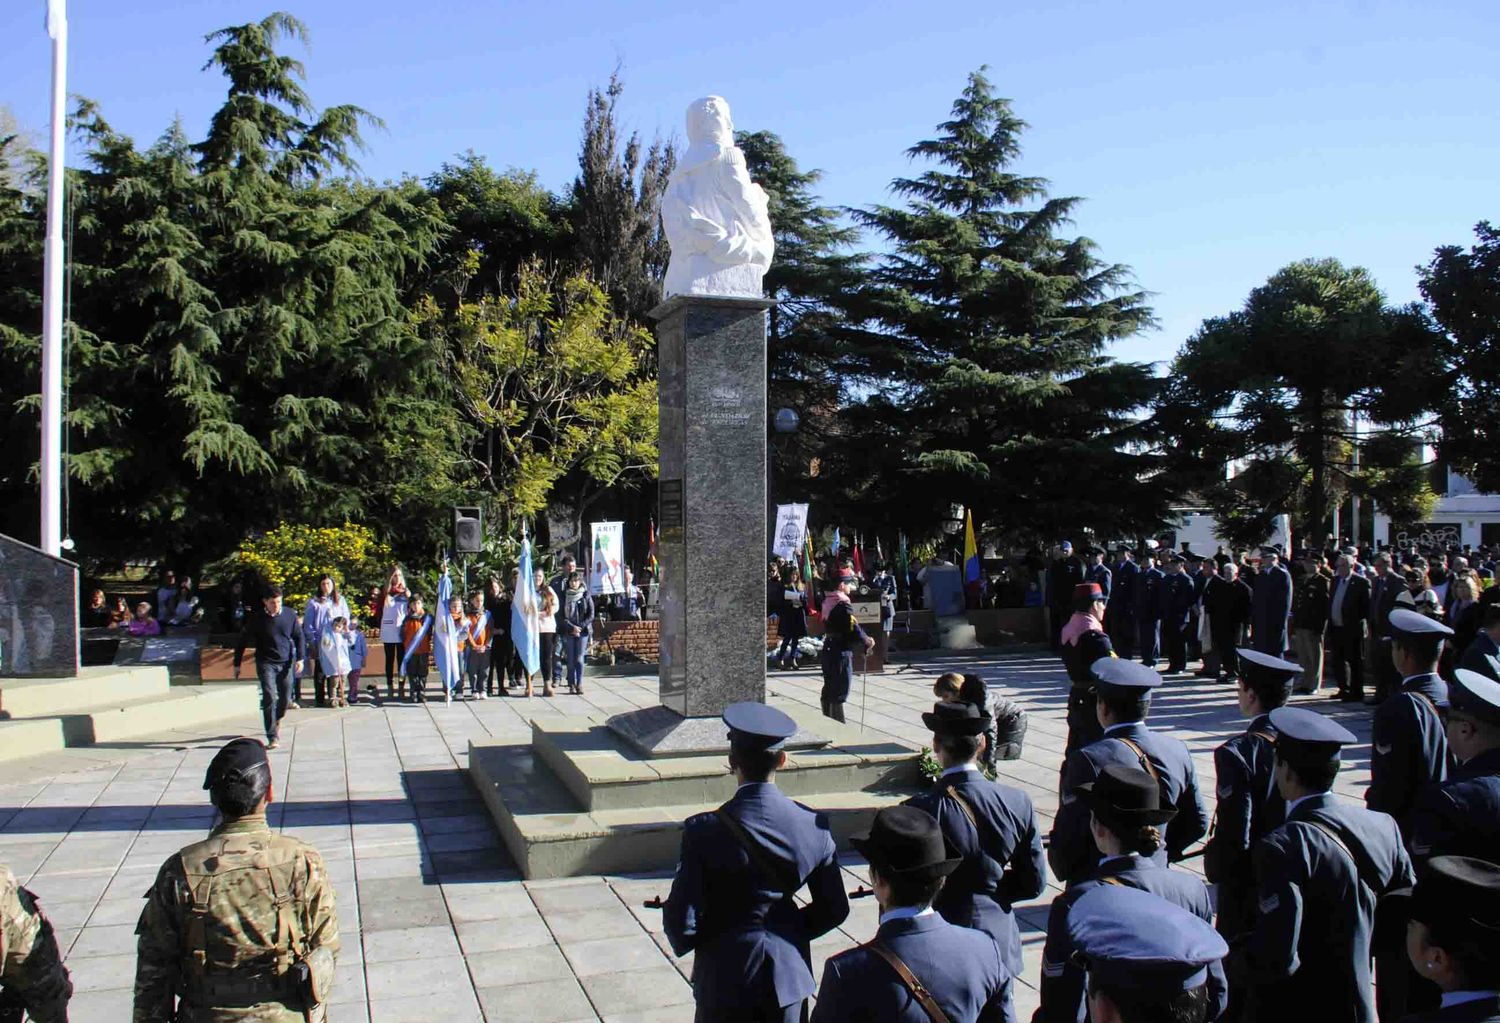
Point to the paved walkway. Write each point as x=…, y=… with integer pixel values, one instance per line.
x=435, y=922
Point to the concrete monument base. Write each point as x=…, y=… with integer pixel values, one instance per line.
x=578, y=799
x=659, y=732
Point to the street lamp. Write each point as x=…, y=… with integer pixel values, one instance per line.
x=786, y=420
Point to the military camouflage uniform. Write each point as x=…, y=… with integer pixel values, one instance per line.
x=32, y=975
x=232, y=928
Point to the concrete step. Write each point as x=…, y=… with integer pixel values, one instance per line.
x=30, y=737
x=602, y=773
x=93, y=687
x=181, y=708
x=549, y=836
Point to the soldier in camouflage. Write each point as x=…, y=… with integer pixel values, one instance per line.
x=32, y=975
x=240, y=927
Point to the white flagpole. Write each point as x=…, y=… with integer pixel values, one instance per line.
x=52, y=289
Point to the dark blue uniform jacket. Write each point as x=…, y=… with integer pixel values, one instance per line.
x=1072, y=852
x=750, y=940
x=961, y=968
x=1309, y=955
x=1408, y=746
x=1249, y=808
x=1461, y=818
x=1002, y=856
x=1062, y=988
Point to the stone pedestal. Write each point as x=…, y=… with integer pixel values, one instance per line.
x=712, y=541
x=39, y=611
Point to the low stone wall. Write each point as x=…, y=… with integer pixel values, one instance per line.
x=1002, y=626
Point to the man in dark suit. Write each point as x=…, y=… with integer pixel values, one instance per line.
x=1148, y=609
x=1348, y=616
x=1119, y=620
x=991, y=827
x=1227, y=604
x=1385, y=587
x=1319, y=877
x=1408, y=741
x=1483, y=653
x=1099, y=573
x=1179, y=596
x=1125, y=689
x=1271, y=604
x=919, y=967
x=733, y=900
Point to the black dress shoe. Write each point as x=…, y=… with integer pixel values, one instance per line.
x=1352, y=698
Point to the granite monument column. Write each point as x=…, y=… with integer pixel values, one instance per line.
x=712, y=397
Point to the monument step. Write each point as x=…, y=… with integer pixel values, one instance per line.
x=31, y=737
x=548, y=835
x=602, y=773
x=181, y=708
x=92, y=687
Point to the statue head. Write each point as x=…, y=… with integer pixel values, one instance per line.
x=708, y=122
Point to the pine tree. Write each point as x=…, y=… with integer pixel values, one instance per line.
x=989, y=325
x=616, y=206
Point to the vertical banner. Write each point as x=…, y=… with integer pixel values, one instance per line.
x=791, y=526
x=607, y=558
x=1281, y=535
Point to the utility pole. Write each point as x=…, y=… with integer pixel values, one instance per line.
x=52, y=289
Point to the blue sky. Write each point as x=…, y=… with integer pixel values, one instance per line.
x=1212, y=145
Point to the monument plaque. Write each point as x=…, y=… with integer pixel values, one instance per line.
x=38, y=613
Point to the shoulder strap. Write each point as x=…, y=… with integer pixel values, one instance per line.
x=774, y=871
x=1140, y=754
x=1436, y=710
x=963, y=804
x=1266, y=736
x=1338, y=839
x=918, y=990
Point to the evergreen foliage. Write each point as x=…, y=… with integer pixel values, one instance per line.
x=239, y=349
x=1463, y=288
x=1272, y=389
x=988, y=323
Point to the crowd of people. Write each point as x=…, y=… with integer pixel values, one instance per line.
x=326, y=642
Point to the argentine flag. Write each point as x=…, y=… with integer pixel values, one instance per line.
x=523, y=615
x=444, y=637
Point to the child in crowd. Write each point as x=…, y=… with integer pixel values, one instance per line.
x=455, y=689
x=947, y=686
x=479, y=632
x=416, y=645
x=143, y=624
x=359, y=652
x=333, y=657
x=1007, y=726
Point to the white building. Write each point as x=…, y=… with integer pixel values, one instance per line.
x=1461, y=516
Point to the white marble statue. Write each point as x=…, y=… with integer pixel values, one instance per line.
x=714, y=216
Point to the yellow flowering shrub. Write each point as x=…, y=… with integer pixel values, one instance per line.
x=295, y=556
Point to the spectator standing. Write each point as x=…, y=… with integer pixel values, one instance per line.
x=391, y=614
x=1270, y=604
x=885, y=584
x=497, y=603
x=626, y=605
x=1385, y=587
x=333, y=658
x=182, y=608
x=547, y=613
x=359, y=653
x=234, y=609
x=1483, y=652
x=1310, y=621
x=792, y=625
x=97, y=614
x=119, y=615
x=558, y=659
x=1065, y=573
x=164, y=591
x=1348, y=613
x=1463, y=609
x=481, y=641
x=1227, y=602
x=278, y=648
x=322, y=608
x=578, y=623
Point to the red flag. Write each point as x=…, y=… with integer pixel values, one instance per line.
x=859, y=560
x=651, y=561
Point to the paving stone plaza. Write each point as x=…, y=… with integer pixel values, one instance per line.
x=436, y=923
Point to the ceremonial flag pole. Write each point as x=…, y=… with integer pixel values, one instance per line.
x=52, y=289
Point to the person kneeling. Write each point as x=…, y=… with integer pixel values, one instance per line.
x=919, y=968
